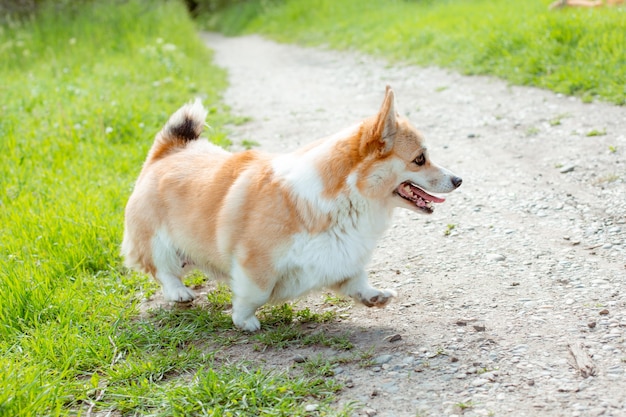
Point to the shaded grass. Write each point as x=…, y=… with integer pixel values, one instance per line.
x=574, y=51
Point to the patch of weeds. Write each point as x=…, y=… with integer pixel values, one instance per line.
x=338, y=301
x=175, y=328
x=156, y=366
x=556, y=121
x=449, y=229
x=273, y=315
x=319, y=366
x=221, y=139
x=286, y=314
x=587, y=98
x=612, y=148
x=365, y=358
x=220, y=298
x=282, y=328
x=485, y=369
x=596, y=132
x=239, y=120
x=465, y=406
x=441, y=88
x=341, y=342
x=148, y=292
x=195, y=279
x=532, y=131
x=249, y=144
x=286, y=335
x=307, y=316
x=243, y=389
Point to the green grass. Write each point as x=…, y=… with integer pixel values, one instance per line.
x=572, y=51
x=83, y=93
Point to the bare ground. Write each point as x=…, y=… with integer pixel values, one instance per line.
x=523, y=265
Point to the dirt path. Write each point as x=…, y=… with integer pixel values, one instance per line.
x=527, y=258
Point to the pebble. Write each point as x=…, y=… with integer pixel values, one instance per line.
x=395, y=338
x=382, y=359
x=311, y=407
x=368, y=412
x=495, y=257
x=479, y=382
x=299, y=359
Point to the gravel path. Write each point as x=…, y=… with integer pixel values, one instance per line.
x=522, y=265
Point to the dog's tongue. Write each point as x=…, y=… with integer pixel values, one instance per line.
x=427, y=196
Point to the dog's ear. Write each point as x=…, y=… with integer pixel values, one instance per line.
x=386, y=124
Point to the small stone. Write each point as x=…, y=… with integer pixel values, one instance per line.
x=530, y=382
x=299, y=359
x=454, y=359
x=369, y=412
x=591, y=324
x=479, y=327
x=479, y=382
x=379, y=360
x=374, y=393
x=349, y=383
x=311, y=407
x=495, y=257
x=604, y=312
x=395, y=338
x=567, y=168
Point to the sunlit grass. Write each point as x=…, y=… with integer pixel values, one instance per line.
x=572, y=51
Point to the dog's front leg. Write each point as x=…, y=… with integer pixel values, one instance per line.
x=360, y=290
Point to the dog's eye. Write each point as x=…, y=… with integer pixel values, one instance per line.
x=420, y=160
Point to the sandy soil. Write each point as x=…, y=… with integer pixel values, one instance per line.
x=523, y=264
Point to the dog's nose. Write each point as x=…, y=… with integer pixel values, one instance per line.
x=456, y=181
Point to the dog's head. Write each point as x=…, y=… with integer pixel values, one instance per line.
x=400, y=168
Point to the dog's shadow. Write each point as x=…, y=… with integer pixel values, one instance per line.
x=319, y=325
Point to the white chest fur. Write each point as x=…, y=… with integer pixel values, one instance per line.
x=313, y=261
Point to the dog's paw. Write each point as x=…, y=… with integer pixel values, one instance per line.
x=378, y=299
x=249, y=324
x=179, y=294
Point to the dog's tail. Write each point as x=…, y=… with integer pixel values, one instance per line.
x=183, y=127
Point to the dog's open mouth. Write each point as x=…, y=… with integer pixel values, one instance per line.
x=420, y=198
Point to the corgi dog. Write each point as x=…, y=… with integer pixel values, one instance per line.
x=276, y=226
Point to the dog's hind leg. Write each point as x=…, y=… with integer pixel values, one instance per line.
x=169, y=269
x=247, y=298
x=360, y=290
